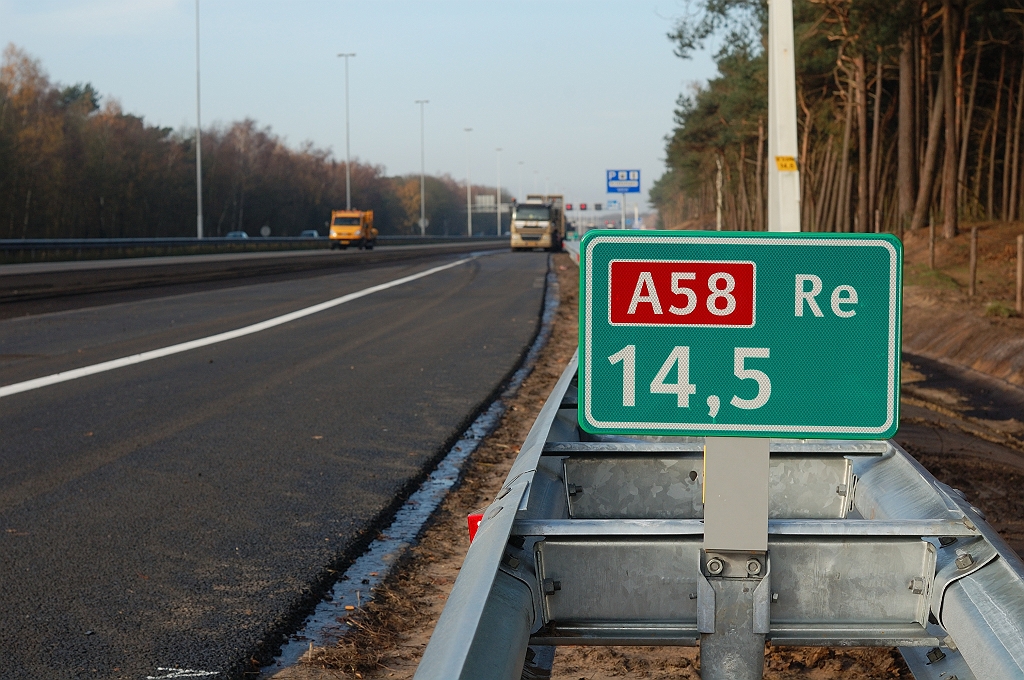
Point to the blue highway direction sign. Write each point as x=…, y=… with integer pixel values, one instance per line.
x=623, y=181
x=740, y=334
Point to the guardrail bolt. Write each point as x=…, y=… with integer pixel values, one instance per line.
x=512, y=562
x=841, y=489
x=936, y=655
x=775, y=597
x=753, y=567
x=916, y=585
x=715, y=566
x=551, y=586
x=947, y=540
x=964, y=561
x=573, y=489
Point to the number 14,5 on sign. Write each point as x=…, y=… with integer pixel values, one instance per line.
x=739, y=334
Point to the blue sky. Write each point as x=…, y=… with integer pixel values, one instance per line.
x=568, y=87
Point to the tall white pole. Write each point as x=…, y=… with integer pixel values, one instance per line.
x=783, y=174
x=497, y=194
x=423, y=165
x=348, y=159
x=469, y=190
x=199, y=142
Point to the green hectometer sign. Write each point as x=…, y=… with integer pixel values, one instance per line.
x=740, y=334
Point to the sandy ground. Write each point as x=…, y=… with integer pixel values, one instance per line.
x=984, y=458
x=942, y=319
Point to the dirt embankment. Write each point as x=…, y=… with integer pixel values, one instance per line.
x=940, y=319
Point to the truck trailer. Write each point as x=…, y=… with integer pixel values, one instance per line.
x=538, y=222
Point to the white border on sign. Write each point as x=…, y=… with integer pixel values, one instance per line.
x=753, y=313
x=893, y=358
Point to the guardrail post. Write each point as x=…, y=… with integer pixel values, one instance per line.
x=734, y=591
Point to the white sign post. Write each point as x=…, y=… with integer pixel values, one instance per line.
x=736, y=470
x=783, y=174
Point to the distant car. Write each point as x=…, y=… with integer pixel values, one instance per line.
x=310, y=233
x=236, y=234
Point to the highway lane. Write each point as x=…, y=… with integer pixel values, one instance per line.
x=177, y=513
x=61, y=285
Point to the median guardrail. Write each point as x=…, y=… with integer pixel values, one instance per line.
x=36, y=280
x=54, y=250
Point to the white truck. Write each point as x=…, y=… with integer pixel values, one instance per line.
x=538, y=222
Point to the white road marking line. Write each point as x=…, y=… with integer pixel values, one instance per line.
x=181, y=673
x=36, y=383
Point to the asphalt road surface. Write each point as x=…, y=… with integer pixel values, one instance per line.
x=179, y=513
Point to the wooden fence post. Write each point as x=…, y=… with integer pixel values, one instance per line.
x=1020, y=274
x=931, y=245
x=974, y=261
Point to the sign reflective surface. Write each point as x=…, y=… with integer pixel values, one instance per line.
x=740, y=334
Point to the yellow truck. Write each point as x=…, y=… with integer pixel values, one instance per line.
x=538, y=222
x=352, y=228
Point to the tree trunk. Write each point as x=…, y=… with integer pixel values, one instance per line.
x=949, y=165
x=907, y=161
x=759, y=189
x=1016, y=148
x=744, y=201
x=804, y=142
x=965, y=131
x=835, y=196
x=846, y=207
x=1004, y=213
x=959, y=73
x=886, y=170
x=876, y=135
x=843, y=207
x=989, y=207
x=927, y=86
x=863, y=216
x=976, y=193
x=924, y=188
x=28, y=204
x=823, y=192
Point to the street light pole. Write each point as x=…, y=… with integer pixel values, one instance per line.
x=783, y=173
x=497, y=193
x=348, y=172
x=469, y=190
x=423, y=200
x=199, y=142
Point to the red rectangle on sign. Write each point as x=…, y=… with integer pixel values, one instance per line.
x=659, y=293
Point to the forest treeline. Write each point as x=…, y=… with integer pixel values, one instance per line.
x=909, y=112
x=73, y=168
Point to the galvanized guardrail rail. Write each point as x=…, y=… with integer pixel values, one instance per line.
x=39, y=250
x=597, y=540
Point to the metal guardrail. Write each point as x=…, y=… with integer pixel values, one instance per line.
x=50, y=249
x=41, y=243
x=573, y=248
x=596, y=540
x=63, y=273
